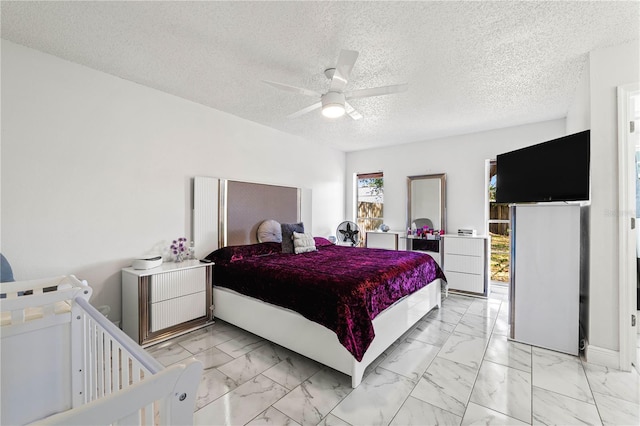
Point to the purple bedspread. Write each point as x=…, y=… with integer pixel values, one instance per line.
x=341, y=288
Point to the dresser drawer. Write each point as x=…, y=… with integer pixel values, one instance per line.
x=466, y=264
x=465, y=246
x=465, y=282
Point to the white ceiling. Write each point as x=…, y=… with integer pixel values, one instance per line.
x=470, y=66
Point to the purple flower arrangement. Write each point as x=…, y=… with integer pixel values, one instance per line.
x=179, y=248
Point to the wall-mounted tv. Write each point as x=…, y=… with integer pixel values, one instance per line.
x=557, y=170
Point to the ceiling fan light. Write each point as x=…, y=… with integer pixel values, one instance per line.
x=333, y=110
x=333, y=104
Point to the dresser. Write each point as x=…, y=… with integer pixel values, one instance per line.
x=466, y=263
x=162, y=302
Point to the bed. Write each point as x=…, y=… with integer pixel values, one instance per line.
x=64, y=363
x=341, y=306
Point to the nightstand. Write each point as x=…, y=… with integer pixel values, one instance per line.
x=163, y=302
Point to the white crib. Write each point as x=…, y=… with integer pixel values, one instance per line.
x=64, y=363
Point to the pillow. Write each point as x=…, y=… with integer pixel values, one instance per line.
x=234, y=253
x=303, y=243
x=6, y=273
x=322, y=242
x=269, y=231
x=287, y=235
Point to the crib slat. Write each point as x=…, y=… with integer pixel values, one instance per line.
x=93, y=367
x=148, y=415
x=126, y=371
x=107, y=362
x=117, y=367
x=163, y=413
x=85, y=363
x=89, y=366
x=137, y=374
x=99, y=363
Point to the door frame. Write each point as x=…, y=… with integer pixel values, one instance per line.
x=487, y=212
x=627, y=240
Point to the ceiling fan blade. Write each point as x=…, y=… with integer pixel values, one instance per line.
x=293, y=89
x=376, y=91
x=346, y=60
x=305, y=110
x=351, y=111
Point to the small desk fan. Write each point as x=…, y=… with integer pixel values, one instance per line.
x=348, y=233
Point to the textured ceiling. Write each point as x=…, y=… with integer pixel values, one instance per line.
x=470, y=66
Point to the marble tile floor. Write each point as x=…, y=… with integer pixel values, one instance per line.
x=455, y=366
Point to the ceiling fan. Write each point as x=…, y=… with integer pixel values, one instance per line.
x=334, y=102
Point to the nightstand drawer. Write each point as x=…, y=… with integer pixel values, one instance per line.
x=176, y=311
x=181, y=282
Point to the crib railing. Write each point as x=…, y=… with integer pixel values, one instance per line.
x=114, y=381
x=111, y=379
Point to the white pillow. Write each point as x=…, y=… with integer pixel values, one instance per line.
x=269, y=231
x=303, y=243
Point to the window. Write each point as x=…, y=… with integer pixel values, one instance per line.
x=370, y=203
x=499, y=224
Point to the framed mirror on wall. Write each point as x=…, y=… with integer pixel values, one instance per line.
x=426, y=201
x=426, y=206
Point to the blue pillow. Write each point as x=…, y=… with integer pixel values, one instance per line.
x=287, y=235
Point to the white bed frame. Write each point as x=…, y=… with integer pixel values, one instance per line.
x=293, y=331
x=64, y=363
x=283, y=326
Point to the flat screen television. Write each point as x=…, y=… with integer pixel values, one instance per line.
x=557, y=170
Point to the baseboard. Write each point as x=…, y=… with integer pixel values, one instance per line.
x=601, y=356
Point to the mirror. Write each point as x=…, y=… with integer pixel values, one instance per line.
x=426, y=199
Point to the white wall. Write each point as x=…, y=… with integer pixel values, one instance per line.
x=609, y=68
x=96, y=169
x=462, y=158
x=579, y=113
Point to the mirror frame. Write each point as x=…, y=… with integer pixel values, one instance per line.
x=443, y=197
